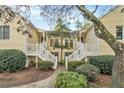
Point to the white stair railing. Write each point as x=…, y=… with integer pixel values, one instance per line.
x=31, y=49
x=46, y=55
x=40, y=51
x=77, y=55
x=79, y=44
x=43, y=44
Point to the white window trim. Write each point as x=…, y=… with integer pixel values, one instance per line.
x=122, y=32
x=2, y=32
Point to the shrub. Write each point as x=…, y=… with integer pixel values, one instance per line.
x=61, y=62
x=104, y=63
x=70, y=80
x=92, y=85
x=73, y=64
x=45, y=65
x=90, y=71
x=12, y=60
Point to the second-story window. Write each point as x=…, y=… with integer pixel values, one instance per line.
x=66, y=43
x=119, y=32
x=56, y=44
x=4, y=32
x=71, y=43
x=51, y=42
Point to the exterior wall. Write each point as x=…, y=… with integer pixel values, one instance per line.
x=51, y=49
x=16, y=41
x=35, y=37
x=111, y=20
x=91, y=42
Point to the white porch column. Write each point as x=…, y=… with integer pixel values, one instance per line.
x=66, y=63
x=27, y=62
x=36, y=55
x=80, y=37
x=86, y=48
x=43, y=36
x=55, y=64
x=25, y=44
x=36, y=62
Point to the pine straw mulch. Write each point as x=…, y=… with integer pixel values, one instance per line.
x=104, y=81
x=23, y=77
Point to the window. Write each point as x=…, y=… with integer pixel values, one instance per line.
x=78, y=39
x=71, y=43
x=66, y=42
x=56, y=44
x=4, y=32
x=51, y=42
x=41, y=39
x=122, y=10
x=82, y=39
x=56, y=40
x=119, y=33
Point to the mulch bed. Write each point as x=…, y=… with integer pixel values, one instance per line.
x=23, y=77
x=104, y=81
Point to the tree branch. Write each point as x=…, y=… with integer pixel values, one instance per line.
x=95, y=9
x=106, y=35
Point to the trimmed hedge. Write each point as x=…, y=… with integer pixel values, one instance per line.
x=104, y=63
x=90, y=71
x=70, y=80
x=45, y=65
x=72, y=65
x=12, y=60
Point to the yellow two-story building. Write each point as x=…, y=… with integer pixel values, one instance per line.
x=80, y=45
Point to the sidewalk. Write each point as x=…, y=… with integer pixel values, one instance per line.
x=47, y=83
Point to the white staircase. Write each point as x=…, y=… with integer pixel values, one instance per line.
x=41, y=52
x=77, y=55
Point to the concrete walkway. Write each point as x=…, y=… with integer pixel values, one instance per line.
x=46, y=83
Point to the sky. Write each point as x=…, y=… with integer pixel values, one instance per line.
x=40, y=22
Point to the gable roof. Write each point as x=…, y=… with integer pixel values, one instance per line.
x=109, y=11
x=20, y=16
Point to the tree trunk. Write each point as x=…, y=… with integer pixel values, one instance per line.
x=102, y=32
x=118, y=69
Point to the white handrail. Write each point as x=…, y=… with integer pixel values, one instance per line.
x=43, y=44
x=31, y=49
x=77, y=55
x=40, y=51
x=79, y=44
x=47, y=56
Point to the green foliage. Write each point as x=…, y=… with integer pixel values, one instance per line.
x=70, y=80
x=12, y=60
x=92, y=85
x=104, y=63
x=61, y=62
x=45, y=65
x=57, y=45
x=60, y=30
x=90, y=71
x=60, y=34
x=74, y=64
